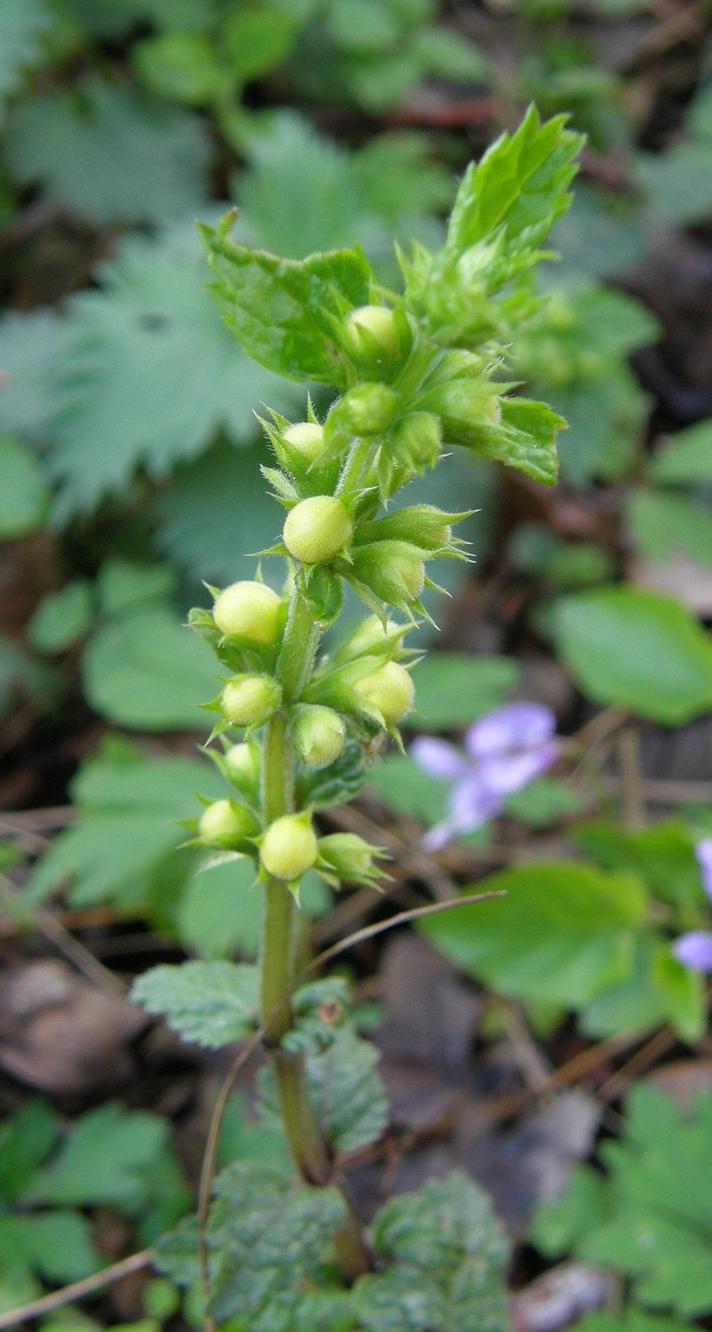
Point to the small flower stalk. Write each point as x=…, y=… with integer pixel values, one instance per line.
x=415, y=373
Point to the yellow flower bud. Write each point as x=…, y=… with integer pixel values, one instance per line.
x=289, y=847
x=248, y=611
x=317, y=529
x=319, y=735
x=373, y=328
x=242, y=766
x=307, y=437
x=389, y=690
x=250, y=700
x=224, y=824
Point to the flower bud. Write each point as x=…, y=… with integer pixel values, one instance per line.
x=319, y=735
x=349, y=855
x=368, y=409
x=416, y=441
x=377, y=337
x=224, y=825
x=250, y=612
x=394, y=570
x=317, y=529
x=389, y=690
x=250, y=700
x=307, y=438
x=289, y=847
x=243, y=768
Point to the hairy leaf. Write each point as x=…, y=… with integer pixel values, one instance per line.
x=211, y=1003
x=283, y=311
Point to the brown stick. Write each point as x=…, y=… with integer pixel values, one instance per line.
x=78, y=1289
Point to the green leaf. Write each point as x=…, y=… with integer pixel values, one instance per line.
x=148, y=672
x=452, y=688
x=658, y=990
x=197, y=515
x=110, y=1157
x=122, y=585
x=31, y=346
x=24, y=498
x=518, y=189
x=285, y=312
x=269, y=1241
x=180, y=66
x=22, y=29
x=211, y=1003
x=25, y=1140
x=109, y=154
x=653, y=1219
x=563, y=933
x=127, y=809
x=543, y=802
x=256, y=40
x=398, y=782
x=663, y=856
x=448, y=1251
x=678, y=183
x=685, y=459
x=217, y=914
x=150, y=323
x=636, y=649
x=631, y=1320
x=57, y=1244
x=345, y=1088
x=62, y=617
x=448, y=53
x=663, y=525
x=23, y=676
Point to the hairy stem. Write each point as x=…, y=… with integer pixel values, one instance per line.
x=302, y=1132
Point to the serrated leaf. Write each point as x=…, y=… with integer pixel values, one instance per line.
x=653, y=1218
x=448, y=1253
x=57, y=1244
x=211, y=1003
x=147, y=672
x=108, y=153
x=109, y=1157
x=24, y=497
x=520, y=186
x=636, y=649
x=268, y=1240
x=25, y=1140
x=149, y=324
x=31, y=347
x=127, y=824
x=283, y=311
x=564, y=932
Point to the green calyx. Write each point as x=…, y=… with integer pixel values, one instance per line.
x=349, y=857
x=393, y=571
x=388, y=691
x=378, y=339
x=242, y=765
x=249, y=613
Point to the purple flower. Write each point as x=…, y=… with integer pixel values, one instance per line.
x=694, y=949
x=504, y=751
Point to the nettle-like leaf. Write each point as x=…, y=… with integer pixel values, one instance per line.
x=650, y=1218
x=637, y=649
x=345, y=1088
x=284, y=311
x=211, y=1003
x=128, y=812
x=150, y=324
x=447, y=1252
x=24, y=498
x=519, y=188
x=108, y=153
x=268, y=1240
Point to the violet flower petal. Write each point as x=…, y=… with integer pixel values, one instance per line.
x=515, y=726
x=694, y=950
x=438, y=758
x=703, y=851
x=469, y=806
x=507, y=773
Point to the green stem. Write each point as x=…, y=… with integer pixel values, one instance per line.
x=356, y=459
x=302, y=1131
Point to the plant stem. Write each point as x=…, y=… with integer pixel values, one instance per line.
x=356, y=459
x=302, y=1131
